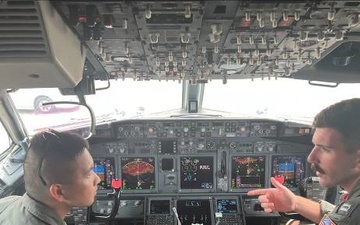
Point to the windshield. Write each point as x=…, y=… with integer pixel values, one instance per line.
x=290, y=99
x=123, y=100
x=129, y=98
x=283, y=99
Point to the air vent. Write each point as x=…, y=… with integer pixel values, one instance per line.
x=20, y=31
x=37, y=48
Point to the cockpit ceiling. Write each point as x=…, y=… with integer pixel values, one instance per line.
x=204, y=40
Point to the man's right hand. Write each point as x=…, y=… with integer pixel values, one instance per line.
x=277, y=199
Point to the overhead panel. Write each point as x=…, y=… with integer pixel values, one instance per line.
x=199, y=41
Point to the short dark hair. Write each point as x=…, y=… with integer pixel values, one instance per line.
x=50, y=159
x=344, y=117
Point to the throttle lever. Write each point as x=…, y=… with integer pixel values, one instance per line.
x=115, y=195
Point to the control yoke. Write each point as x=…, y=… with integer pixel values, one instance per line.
x=115, y=195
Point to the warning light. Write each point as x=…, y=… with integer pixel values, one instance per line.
x=82, y=19
x=287, y=23
x=246, y=23
x=116, y=183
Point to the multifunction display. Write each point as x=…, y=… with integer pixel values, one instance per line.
x=288, y=169
x=104, y=168
x=247, y=172
x=138, y=173
x=197, y=172
x=227, y=205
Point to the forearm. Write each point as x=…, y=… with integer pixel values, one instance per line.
x=308, y=208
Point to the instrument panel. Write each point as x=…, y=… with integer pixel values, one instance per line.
x=164, y=165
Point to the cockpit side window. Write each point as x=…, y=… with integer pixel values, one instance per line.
x=5, y=140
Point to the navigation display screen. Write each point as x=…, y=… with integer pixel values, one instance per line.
x=104, y=168
x=197, y=172
x=247, y=172
x=289, y=170
x=227, y=205
x=138, y=173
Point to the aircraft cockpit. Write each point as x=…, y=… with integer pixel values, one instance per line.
x=192, y=103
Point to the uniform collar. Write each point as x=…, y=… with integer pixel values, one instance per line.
x=41, y=211
x=356, y=190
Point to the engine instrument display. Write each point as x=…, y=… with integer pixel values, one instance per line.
x=247, y=172
x=289, y=170
x=104, y=168
x=197, y=172
x=138, y=173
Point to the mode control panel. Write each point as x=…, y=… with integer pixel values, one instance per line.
x=197, y=129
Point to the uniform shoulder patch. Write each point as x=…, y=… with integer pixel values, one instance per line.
x=344, y=209
x=326, y=221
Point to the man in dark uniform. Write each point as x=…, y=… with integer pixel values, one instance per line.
x=335, y=159
x=58, y=174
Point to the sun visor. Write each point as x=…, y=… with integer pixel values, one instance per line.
x=37, y=48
